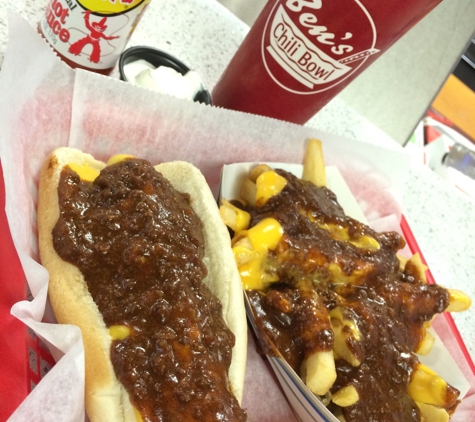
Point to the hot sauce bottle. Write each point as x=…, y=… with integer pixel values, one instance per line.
x=91, y=34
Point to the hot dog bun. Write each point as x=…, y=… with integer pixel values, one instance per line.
x=106, y=399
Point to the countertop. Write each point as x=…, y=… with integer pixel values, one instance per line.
x=205, y=36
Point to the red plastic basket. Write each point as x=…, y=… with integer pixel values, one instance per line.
x=24, y=359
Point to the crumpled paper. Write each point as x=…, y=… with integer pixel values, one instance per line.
x=44, y=104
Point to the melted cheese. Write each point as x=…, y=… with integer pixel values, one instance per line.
x=119, y=332
x=268, y=185
x=341, y=233
x=250, y=253
x=118, y=158
x=242, y=220
x=85, y=172
x=138, y=416
x=88, y=174
x=340, y=277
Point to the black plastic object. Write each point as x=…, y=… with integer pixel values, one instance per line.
x=159, y=58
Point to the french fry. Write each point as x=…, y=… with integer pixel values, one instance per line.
x=340, y=345
x=235, y=218
x=346, y=396
x=426, y=344
x=459, y=301
x=243, y=255
x=426, y=386
x=314, y=165
x=248, y=192
x=415, y=266
x=242, y=241
x=257, y=171
x=343, y=329
x=319, y=373
x=432, y=394
x=337, y=313
x=431, y=413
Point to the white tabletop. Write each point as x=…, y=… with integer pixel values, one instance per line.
x=204, y=35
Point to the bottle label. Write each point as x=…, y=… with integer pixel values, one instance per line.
x=91, y=33
x=308, y=46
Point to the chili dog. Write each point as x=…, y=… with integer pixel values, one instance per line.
x=140, y=260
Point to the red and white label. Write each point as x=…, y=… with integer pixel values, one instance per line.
x=309, y=46
x=90, y=33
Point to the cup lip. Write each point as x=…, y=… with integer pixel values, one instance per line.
x=159, y=58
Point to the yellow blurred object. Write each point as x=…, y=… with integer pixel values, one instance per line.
x=339, y=277
x=253, y=277
x=341, y=233
x=248, y=192
x=459, y=301
x=456, y=102
x=402, y=261
x=319, y=373
x=418, y=268
x=343, y=329
x=431, y=413
x=85, y=172
x=426, y=386
x=235, y=218
x=250, y=252
x=257, y=171
x=346, y=396
x=337, y=313
x=426, y=344
x=314, y=165
x=268, y=185
x=118, y=158
x=242, y=241
x=266, y=233
x=244, y=255
x=138, y=416
x=119, y=332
